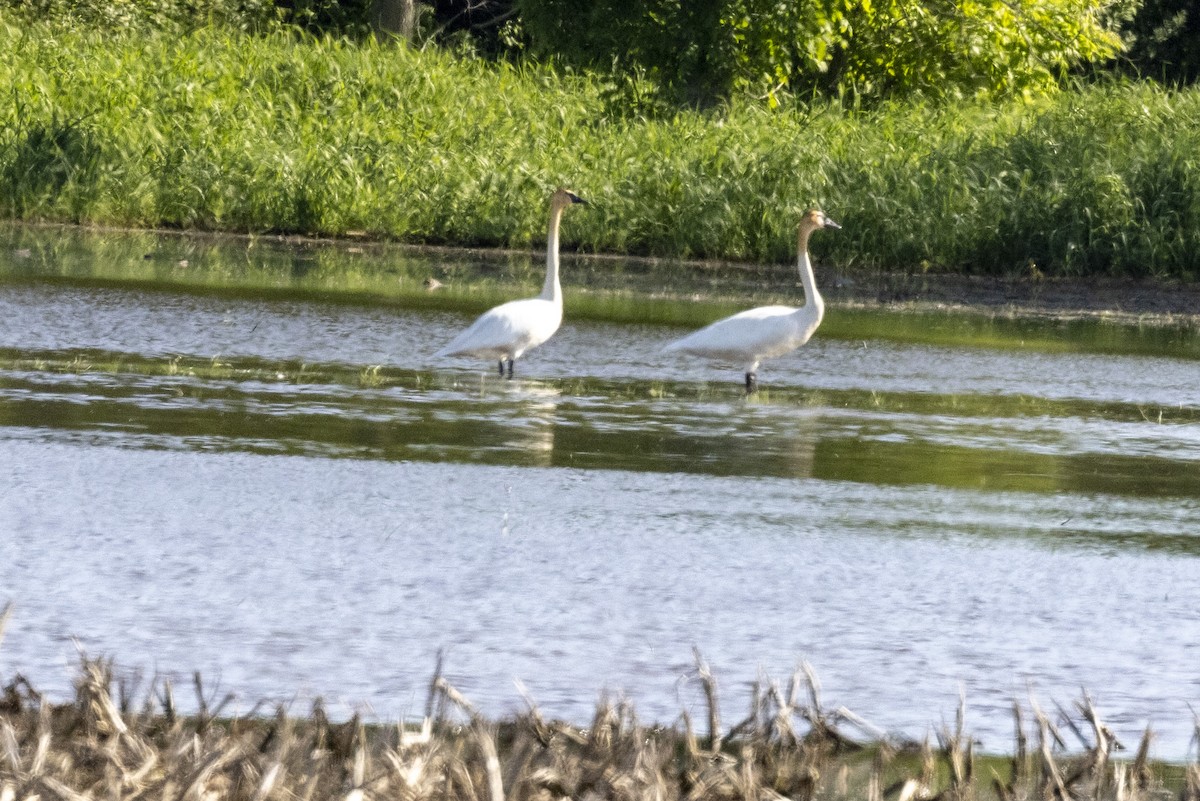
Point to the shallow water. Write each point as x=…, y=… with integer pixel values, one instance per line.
x=293, y=497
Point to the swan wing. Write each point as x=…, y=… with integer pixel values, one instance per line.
x=750, y=335
x=508, y=330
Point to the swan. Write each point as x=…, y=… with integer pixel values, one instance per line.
x=767, y=331
x=508, y=330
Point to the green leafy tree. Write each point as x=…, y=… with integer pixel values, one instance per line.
x=1164, y=38
x=249, y=15
x=958, y=48
x=862, y=49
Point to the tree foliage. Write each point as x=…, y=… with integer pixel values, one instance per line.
x=149, y=14
x=865, y=49
x=1164, y=40
x=339, y=17
x=701, y=51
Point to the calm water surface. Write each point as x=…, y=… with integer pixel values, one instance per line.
x=291, y=496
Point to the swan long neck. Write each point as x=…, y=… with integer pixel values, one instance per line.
x=552, y=289
x=811, y=296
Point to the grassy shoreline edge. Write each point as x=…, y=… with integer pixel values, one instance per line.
x=216, y=130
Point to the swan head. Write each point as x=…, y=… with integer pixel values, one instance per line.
x=565, y=197
x=814, y=219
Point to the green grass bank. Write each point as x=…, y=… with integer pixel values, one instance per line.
x=219, y=130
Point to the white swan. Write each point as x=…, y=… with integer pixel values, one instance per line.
x=512, y=328
x=756, y=334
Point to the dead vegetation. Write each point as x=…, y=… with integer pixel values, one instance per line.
x=106, y=745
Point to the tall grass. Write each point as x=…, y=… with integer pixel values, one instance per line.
x=218, y=130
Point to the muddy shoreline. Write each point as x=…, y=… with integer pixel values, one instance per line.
x=1123, y=301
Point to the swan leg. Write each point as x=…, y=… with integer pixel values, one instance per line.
x=751, y=382
x=510, y=368
x=502, y=368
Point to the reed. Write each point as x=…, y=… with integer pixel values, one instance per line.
x=215, y=129
x=108, y=743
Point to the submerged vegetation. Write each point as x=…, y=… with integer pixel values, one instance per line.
x=213, y=128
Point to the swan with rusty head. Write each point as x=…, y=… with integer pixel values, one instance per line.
x=509, y=330
x=765, y=332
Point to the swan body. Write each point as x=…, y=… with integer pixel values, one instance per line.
x=765, y=332
x=507, y=331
